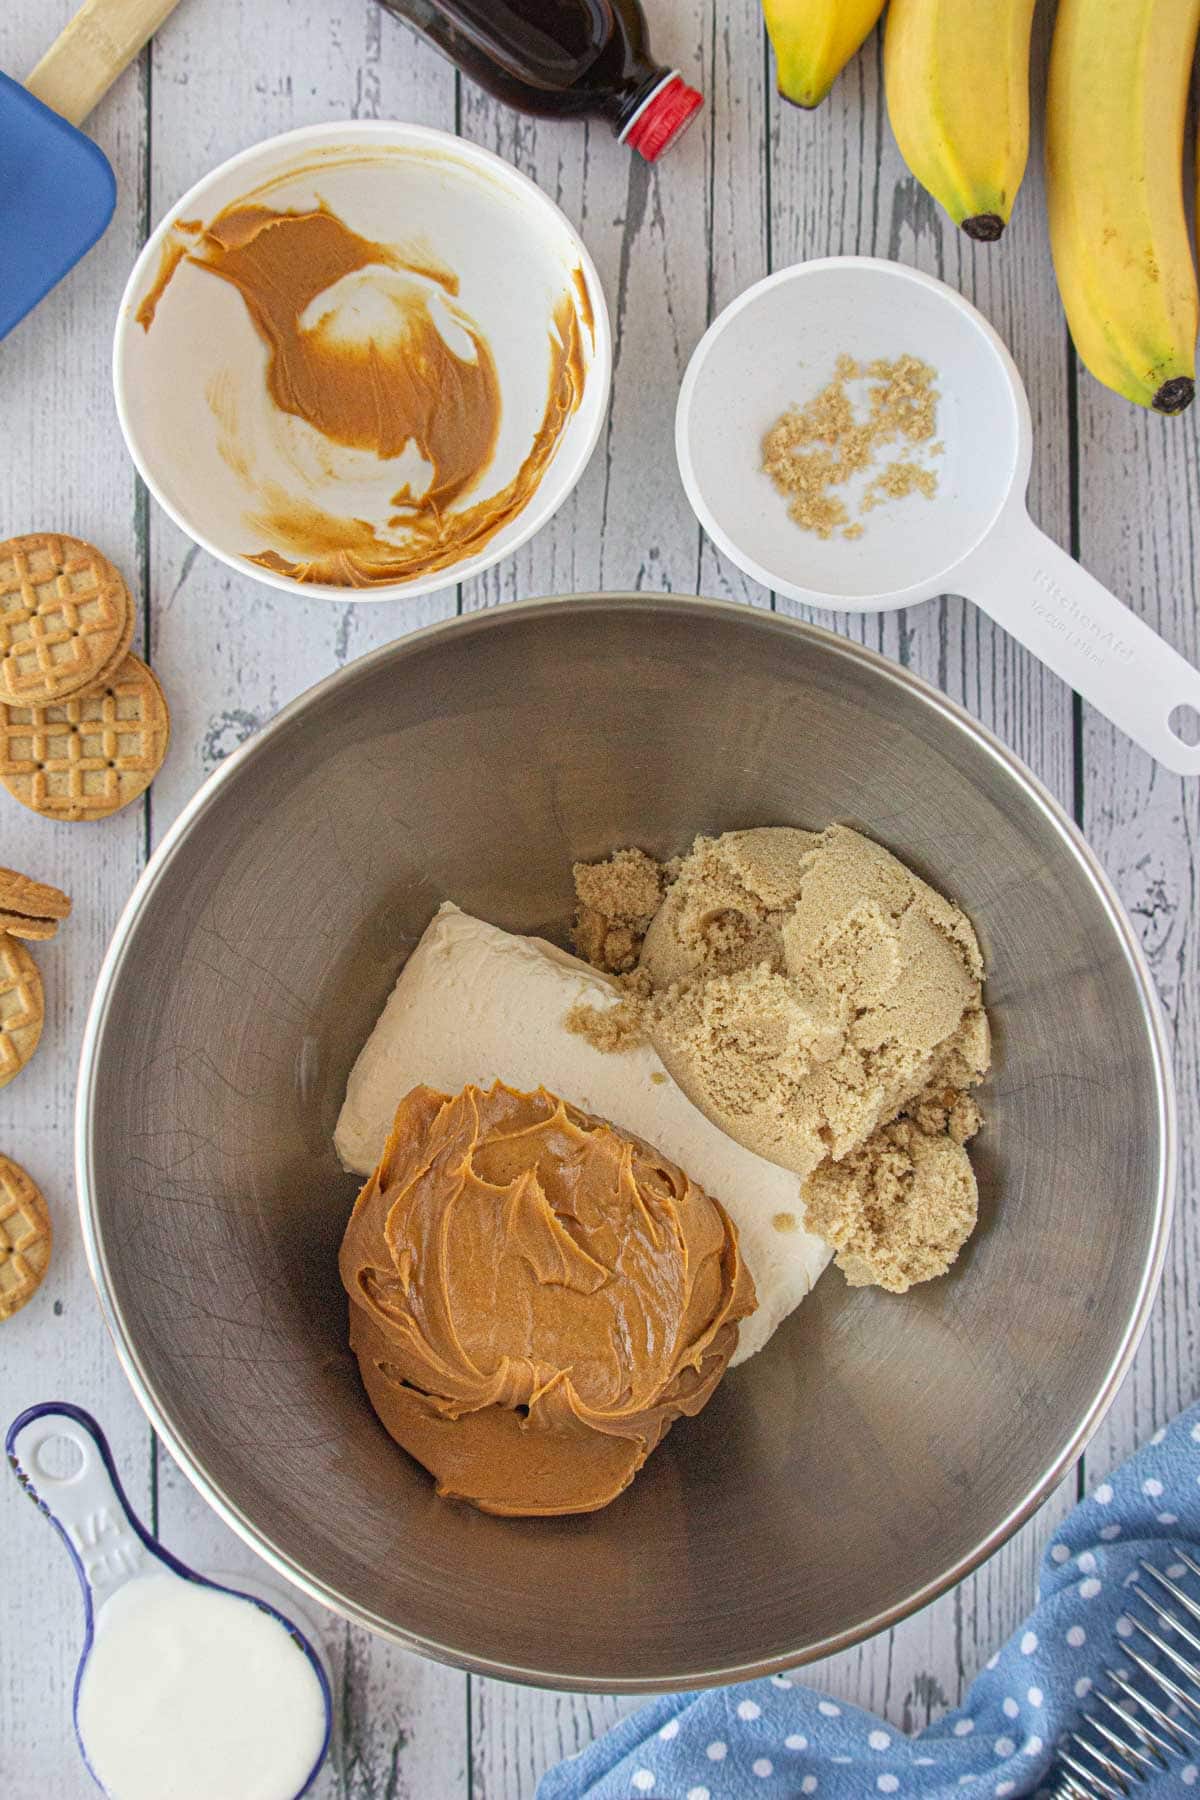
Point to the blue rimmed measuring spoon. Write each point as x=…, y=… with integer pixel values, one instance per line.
x=179, y=1693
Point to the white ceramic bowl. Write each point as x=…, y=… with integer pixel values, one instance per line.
x=514, y=253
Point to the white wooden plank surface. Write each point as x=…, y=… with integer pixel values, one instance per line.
x=1137, y=532
x=754, y=186
x=61, y=468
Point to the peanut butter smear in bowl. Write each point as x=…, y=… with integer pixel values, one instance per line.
x=380, y=365
x=535, y=1297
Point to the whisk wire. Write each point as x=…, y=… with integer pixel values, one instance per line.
x=1179, y=1695
x=1170, y=1619
x=1177, y=1593
x=1174, y=1694
x=1161, y=1746
x=1097, y=1788
x=1128, y=1737
x=1131, y=1752
x=1071, y=1789
x=1086, y=1793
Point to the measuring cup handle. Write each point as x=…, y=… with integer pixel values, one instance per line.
x=1089, y=637
x=106, y=1541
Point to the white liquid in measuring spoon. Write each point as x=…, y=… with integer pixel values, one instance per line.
x=191, y=1694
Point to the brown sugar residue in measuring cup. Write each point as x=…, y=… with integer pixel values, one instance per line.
x=811, y=450
x=374, y=368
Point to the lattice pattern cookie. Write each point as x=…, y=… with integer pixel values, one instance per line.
x=25, y=1238
x=90, y=755
x=22, y=1007
x=66, y=618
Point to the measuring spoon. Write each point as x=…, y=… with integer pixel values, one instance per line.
x=775, y=347
x=111, y=1551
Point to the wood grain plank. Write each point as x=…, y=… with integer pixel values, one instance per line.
x=737, y=212
x=628, y=524
x=231, y=652
x=838, y=186
x=519, y=1733
x=1138, y=498
x=64, y=469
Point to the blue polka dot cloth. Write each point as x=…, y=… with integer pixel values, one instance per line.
x=775, y=1738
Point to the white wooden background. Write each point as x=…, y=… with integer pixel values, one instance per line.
x=756, y=185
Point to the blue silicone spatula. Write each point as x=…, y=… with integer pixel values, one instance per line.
x=57, y=190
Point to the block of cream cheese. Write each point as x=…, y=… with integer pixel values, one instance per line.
x=474, y=1003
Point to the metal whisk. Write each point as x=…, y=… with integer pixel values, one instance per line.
x=1128, y=1735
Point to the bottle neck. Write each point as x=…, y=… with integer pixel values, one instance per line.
x=644, y=89
x=645, y=105
x=623, y=106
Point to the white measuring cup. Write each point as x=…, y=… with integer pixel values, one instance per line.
x=775, y=346
x=111, y=1549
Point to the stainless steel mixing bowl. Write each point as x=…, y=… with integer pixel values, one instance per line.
x=879, y=1447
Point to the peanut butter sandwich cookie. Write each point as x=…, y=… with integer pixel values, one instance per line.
x=25, y=1237
x=22, y=1007
x=66, y=618
x=88, y=756
x=28, y=908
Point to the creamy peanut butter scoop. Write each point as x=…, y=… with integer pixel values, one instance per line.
x=535, y=1297
x=367, y=346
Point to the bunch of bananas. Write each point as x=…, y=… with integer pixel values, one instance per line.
x=957, y=78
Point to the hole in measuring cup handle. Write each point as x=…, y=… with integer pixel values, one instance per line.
x=58, y=1456
x=1184, y=722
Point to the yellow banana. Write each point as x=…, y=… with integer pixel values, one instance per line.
x=957, y=79
x=1116, y=108
x=814, y=40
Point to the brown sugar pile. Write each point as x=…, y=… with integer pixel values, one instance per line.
x=823, y=1006
x=813, y=449
x=617, y=900
x=896, y=1212
x=612, y=1029
x=807, y=987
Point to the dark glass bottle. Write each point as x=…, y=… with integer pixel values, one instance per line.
x=563, y=59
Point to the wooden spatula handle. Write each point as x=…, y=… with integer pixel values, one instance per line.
x=85, y=59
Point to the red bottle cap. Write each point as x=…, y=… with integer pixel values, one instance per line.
x=662, y=117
